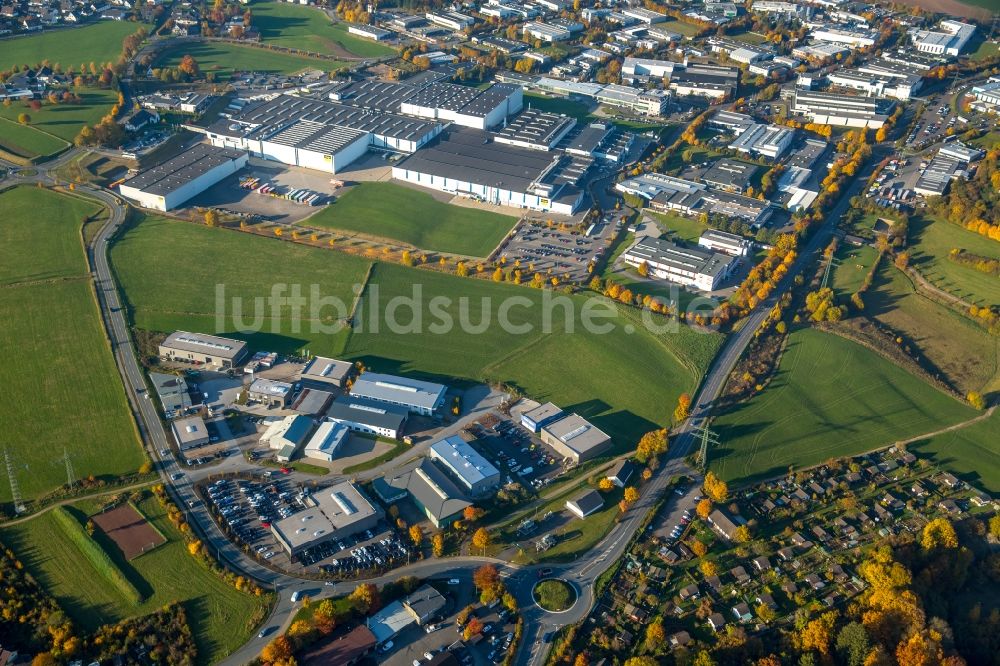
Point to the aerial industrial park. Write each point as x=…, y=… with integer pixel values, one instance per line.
x=514, y=332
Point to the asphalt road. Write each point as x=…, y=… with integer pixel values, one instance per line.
x=583, y=573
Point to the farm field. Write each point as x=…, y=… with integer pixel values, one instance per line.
x=59, y=363
x=65, y=120
x=25, y=141
x=154, y=246
x=830, y=398
x=308, y=28
x=416, y=218
x=97, y=42
x=963, y=351
x=219, y=614
x=224, y=59
x=32, y=214
x=972, y=453
x=932, y=240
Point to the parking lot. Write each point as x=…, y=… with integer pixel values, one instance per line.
x=549, y=250
x=417, y=644
x=517, y=452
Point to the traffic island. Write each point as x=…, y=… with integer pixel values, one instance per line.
x=554, y=595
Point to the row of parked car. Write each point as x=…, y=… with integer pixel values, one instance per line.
x=381, y=554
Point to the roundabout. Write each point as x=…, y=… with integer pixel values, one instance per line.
x=554, y=595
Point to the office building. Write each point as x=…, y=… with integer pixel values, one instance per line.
x=542, y=415
x=190, y=432
x=949, y=40
x=724, y=243
x=270, y=392
x=575, y=438
x=845, y=110
x=878, y=82
x=472, y=470
x=854, y=38
x=332, y=514
x=666, y=193
x=730, y=175
x=173, y=182
x=369, y=416
x=172, y=390
x=769, y=141
x=688, y=266
x=203, y=349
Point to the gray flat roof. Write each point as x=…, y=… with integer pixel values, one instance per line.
x=367, y=412
x=402, y=390
x=325, y=369
x=592, y=136
x=468, y=155
x=577, y=433
x=730, y=173
x=317, y=137
x=204, y=344
x=535, y=126
x=337, y=508
x=178, y=171
x=467, y=463
x=543, y=412
x=271, y=387
x=692, y=259
x=189, y=430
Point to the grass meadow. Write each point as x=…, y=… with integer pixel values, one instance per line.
x=63, y=121
x=932, y=240
x=220, y=616
x=224, y=59
x=972, y=453
x=830, y=398
x=627, y=382
x=97, y=42
x=308, y=28
x=59, y=365
x=26, y=141
x=399, y=213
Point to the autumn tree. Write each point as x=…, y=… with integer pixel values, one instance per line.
x=473, y=628
x=605, y=484
x=473, y=513
x=699, y=548
x=715, y=488
x=481, y=539
x=703, y=508
x=486, y=577
x=365, y=598
x=416, y=535
x=817, y=633
x=653, y=443
x=631, y=495
x=24, y=118
x=437, y=544
x=939, y=533
x=655, y=635
x=853, y=644
x=280, y=649
x=976, y=400
x=709, y=568
x=741, y=534
x=211, y=217
x=683, y=408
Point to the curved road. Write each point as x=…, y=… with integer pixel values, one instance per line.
x=583, y=572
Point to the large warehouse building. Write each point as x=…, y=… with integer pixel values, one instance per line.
x=337, y=512
x=696, y=267
x=413, y=394
x=368, y=416
x=171, y=183
x=206, y=349
x=474, y=164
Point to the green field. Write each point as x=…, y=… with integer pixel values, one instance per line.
x=963, y=351
x=932, y=240
x=972, y=452
x=245, y=266
x=416, y=218
x=65, y=120
x=41, y=235
x=586, y=372
x=224, y=59
x=830, y=398
x=854, y=264
x=25, y=141
x=680, y=227
x=58, y=362
x=98, y=42
x=308, y=28
x=219, y=615
x=592, y=373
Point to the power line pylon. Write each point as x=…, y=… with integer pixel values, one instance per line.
x=15, y=490
x=706, y=437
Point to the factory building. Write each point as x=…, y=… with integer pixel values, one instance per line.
x=326, y=441
x=170, y=184
x=473, y=164
x=845, y=110
x=464, y=105
x=412, y=394
x=671, y=193
x=315, y=145
x=724, y=243
x=876, y=82
x=769, y=141
x=431, y=490
x=368, y=416
x=203, y=349
x=695, y=267
x=534, y=419
x=950, y=40
x=333, y=513
x=534, y=129
x=466, y=464
x=327, y=371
